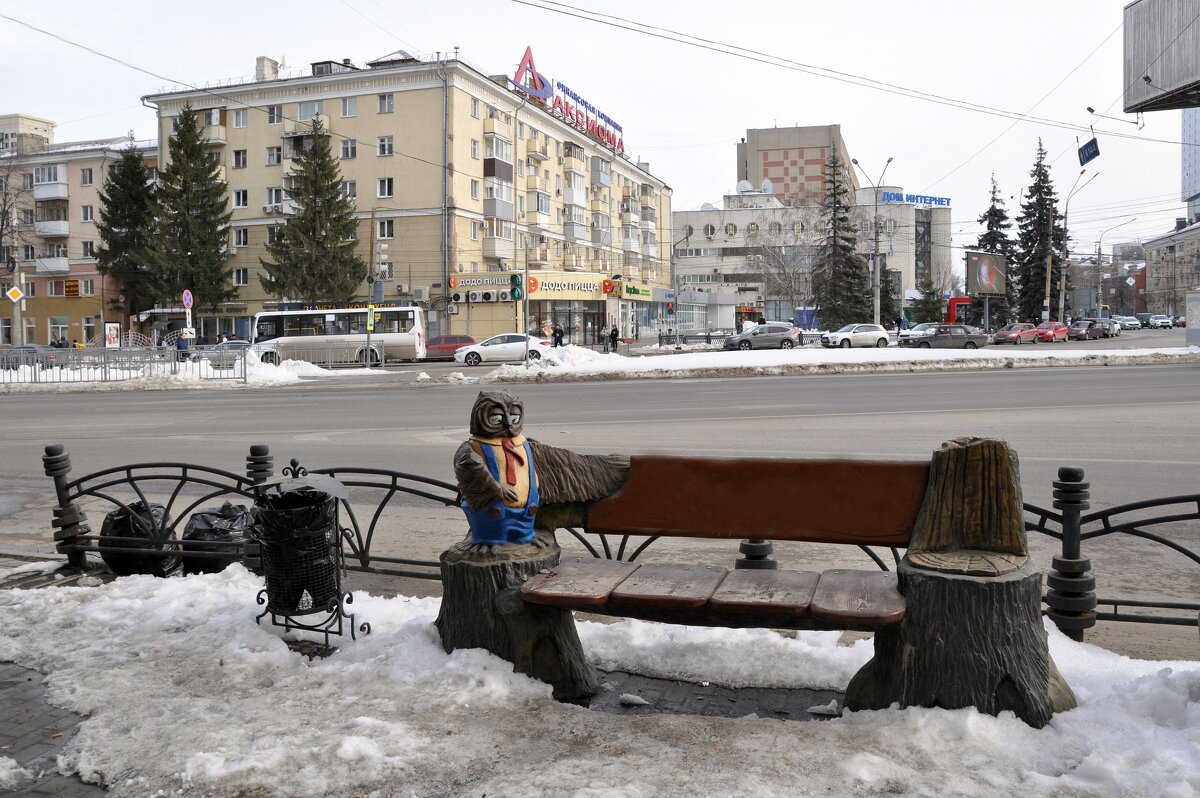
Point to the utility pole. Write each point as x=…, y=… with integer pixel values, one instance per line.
x=875, y=224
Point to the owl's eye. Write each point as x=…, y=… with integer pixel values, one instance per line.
x=514, y=417
x=496, y=417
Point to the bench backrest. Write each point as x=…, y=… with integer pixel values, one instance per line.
x=821, y=501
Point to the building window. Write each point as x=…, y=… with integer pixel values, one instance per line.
x=30, y=290
x=240, y=198
x=6, y=332
x=385, y=187
x=349, y=106
x=274, y=114
x=774, y=228
x=730, y=229
x=26, y=181
x=386, y=103
x=385, y=145
x=26, y=216
x=30, y=252
x=58, y=327
x=240, y=116
x=87, y=287
x=274, y=156
x=274, y=234
x=475, y=189
x=474, y=231
x=45, y=174
x=56, y=288
x=89, y=249
x=349, y=190
x=309, y=109
x=89, y=329
x=85, y=176
x=239, y=159
x=85, y=213
x=241, y=277
x=349, y=148
x=386, y=228
x=241, y=237
x=496, y=147
x=274, y=195
x=475, y=149
x=474, y=108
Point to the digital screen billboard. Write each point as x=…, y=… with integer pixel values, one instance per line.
x=986, y=274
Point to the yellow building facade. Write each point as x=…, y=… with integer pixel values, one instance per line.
x=459, y=180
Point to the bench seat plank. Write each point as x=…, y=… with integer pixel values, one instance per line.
x=669, y=586
x=577, y=582
x=766, y=592
x=844, y=596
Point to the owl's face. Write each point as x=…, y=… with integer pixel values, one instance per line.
x=497, y=414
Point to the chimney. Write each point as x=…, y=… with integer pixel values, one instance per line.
x=347, y=62
x=1180, y=224
x=266, y=69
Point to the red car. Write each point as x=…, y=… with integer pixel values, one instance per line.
x=1051, y=331
x=444, y=346
x=1019, y=333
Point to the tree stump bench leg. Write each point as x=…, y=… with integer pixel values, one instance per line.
x=482, y=608
x=965, y=641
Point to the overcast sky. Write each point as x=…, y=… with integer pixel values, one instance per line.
x=683, y=106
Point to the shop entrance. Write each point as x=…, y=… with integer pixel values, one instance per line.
x=593, y=328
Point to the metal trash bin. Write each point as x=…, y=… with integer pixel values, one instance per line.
x=298, y=535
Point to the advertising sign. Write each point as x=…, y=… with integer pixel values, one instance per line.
x=986, y=274
x=112, y=334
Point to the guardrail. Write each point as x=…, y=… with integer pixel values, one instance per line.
x=121, y=364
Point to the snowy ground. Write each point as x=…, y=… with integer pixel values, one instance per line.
x=576, y=363
x=186, y=695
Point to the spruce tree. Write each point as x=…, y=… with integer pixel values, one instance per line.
x=995, y=240
x=1041, y=236
x=890, y=301
x=126, y=216
x=313, y=257
x=189, y=242
x=841, y=287
x=930, y=306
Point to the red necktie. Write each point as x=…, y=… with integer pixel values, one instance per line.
x=511, y=453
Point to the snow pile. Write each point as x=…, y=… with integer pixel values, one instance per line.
x=223, y=708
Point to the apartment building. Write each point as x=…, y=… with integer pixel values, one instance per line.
x=458, y=179
x=25, y=133
x=51, y=196
x=793, y=159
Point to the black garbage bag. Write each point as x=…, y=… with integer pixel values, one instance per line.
x=297, y=532
x=214, y=530
x=155, y=550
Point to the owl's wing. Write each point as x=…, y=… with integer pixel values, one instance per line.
x=564, y=476
x=477, y=485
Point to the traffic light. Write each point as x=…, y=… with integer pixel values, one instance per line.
x=670, y=307
x=514, y=282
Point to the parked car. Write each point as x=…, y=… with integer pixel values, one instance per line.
x=1083, y=330
x=771, y=335
x=1019, y=333
x=1108, y=327
x=506, y=347
x=856, y=335
x=1160, y=322
x=1180, y=321
x=950, y=336
x=227, y=354
x=1051, y=331
x=1144, y=318
x=1130, y=322
x=27, y=355
x=916, y=331
x=443, y=347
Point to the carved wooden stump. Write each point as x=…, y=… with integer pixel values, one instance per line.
x=482, y=608
x=965, y=641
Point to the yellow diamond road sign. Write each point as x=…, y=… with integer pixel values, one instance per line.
x=16, y=294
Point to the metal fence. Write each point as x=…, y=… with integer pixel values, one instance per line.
x=121, y=364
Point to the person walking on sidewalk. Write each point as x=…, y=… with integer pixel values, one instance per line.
x=612, y=339
x=558, y=334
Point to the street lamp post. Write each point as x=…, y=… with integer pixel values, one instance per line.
x=1100, y=262
x=875, y=252
x=1062, y=284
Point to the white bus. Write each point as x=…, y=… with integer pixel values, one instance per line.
x=337, y=336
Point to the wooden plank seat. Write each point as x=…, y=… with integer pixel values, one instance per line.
x=820, y=501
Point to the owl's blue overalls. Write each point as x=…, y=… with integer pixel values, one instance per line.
x=500, y=523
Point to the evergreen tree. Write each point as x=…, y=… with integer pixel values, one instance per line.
x=841, y=286
x=1041, y=236
x=189, y=240
x=890, y=301
x=996, y=240
x=313, y=258
x=126, y=216
x=930, y=306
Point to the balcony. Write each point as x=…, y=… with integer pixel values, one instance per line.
x=496, y=247
x=50, y=191
x=573, y=263
x=602, y=236
x=631, y=245
x=539, y=257
x=598, y=205
x=56, y=229
x=631, y=219
x=650, y=249
x=292, y=127
x=496, y=127
x=535, y=183
x=539, y=153
x=649, y=224
x=575, y=231
x=575, y=196
x=215, y=134
x=53, y=266
x=538, y=221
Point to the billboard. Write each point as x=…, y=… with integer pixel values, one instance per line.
x=986, y=274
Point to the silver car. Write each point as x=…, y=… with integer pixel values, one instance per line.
x=856, y=335
x=772, y=335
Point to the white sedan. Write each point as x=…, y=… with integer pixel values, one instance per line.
x=856, y=335
x=503, y=348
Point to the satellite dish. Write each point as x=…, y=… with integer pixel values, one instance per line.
x=767, y=188
x=708, y=206
x=744, y=186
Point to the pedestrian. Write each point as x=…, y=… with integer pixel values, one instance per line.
x=75, y=344
x=558, y=334
x=181, y=345
x=612, y=338
x=739, y=326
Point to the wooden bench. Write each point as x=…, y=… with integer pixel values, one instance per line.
x=855, y=503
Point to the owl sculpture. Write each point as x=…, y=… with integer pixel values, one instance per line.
x=504, y=477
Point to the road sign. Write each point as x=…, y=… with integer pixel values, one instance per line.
x=370, y=318
x=187, y=299
x=16, y=294
x=1089, y=152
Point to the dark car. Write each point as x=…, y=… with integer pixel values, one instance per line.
x=1084, y=330
x=28, y=355
x=1019, y=333
x=771, y=335
x=227, y=354
x=950, y=336
x=442, y=347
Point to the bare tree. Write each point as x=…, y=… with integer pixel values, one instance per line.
x=16, y=212
x=789, y=254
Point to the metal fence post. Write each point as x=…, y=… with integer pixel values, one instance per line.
x=1072, y=586
x=259, y=468
x=68, y=518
